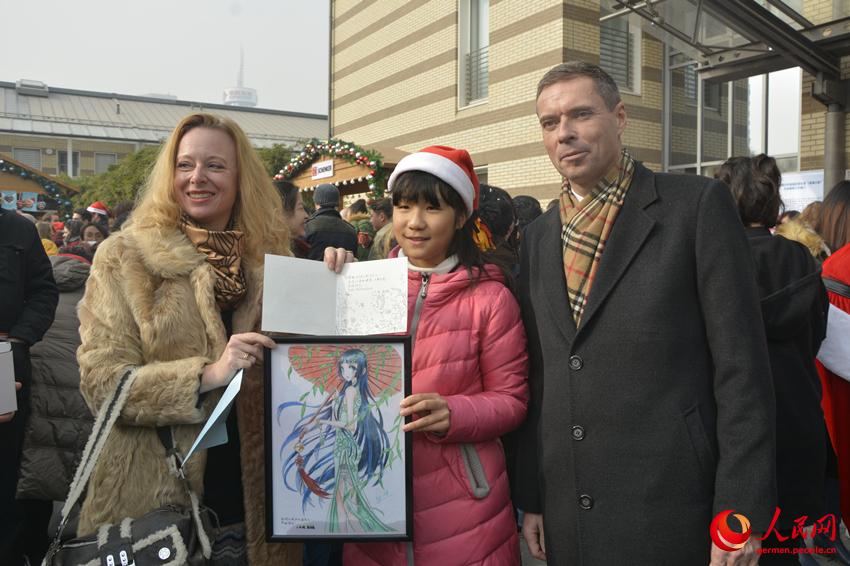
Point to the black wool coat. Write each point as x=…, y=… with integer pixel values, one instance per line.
x=327, y=229
x=28, y=294
x=794, y=307
x=657, y=412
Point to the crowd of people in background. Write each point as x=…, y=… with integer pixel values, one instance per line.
x=707, y=370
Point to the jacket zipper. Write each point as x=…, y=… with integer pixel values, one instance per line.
x=414, y=324
x=417, y=308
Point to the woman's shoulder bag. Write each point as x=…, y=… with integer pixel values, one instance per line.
x=168, y=536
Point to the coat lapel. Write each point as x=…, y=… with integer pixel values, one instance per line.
x=551, y=269
x=631, y=228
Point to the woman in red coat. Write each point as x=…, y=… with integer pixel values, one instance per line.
x=835, y=228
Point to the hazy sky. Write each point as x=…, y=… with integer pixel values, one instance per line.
x=188, y=48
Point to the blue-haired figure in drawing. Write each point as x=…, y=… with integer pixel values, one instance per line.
x=338, y=448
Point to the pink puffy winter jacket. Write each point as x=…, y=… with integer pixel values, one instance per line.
x=470, y=348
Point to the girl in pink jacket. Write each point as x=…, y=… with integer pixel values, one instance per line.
x=469, y=372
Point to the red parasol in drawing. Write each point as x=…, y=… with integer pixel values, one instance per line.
x=317, y=363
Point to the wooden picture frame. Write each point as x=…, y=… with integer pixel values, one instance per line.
x=337, y=471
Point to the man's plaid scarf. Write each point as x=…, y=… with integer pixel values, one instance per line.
x=585, y=229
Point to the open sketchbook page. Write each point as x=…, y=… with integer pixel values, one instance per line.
x=299, y=296
x=371, y=298
x=302, y=296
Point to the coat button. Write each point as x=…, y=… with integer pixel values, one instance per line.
x=585, y=502
x=576, y=363
x=578, y=433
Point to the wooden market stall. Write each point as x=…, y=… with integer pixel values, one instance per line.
x=31, y=190
x=353, y=169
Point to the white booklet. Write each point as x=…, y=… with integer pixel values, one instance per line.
x=834, y=353
x=8, y=398
x=303, y=296
x=214, y=432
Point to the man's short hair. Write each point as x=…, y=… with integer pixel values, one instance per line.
x=84, y=214
x=605, y=85
x=384, y=205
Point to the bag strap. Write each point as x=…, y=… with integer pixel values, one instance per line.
x=175, y=463
x=837, y=287
x=105, y=420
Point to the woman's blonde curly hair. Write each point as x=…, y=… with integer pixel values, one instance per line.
x=257, y=211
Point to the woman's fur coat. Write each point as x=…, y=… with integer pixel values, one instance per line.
x=149, y=304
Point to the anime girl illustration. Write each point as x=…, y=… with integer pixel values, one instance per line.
x=339, y=446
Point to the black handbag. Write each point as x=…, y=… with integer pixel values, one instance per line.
x=169, y=536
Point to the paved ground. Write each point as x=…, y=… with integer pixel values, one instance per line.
x=528, y=560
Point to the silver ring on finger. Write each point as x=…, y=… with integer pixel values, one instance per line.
x=246, y=356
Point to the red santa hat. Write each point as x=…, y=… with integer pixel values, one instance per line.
x=450, y=165
x=98, y=207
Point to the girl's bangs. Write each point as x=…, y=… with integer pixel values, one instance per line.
x=413, y=186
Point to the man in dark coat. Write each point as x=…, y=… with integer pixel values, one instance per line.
x=28, y=298
x=651, y=399
x=326, y=227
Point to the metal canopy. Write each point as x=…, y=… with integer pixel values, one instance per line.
x=732, y=39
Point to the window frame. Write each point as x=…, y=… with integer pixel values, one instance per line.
x=76, y=158
x=482, y=169
x=40, y=156
x=635, y=32
x=727, y=109
x=97, y=153
x=464, y=48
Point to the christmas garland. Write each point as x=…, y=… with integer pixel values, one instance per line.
x=46, y=183
x=344, y=150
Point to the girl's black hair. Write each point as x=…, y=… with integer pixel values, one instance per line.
x=496, y=210
x=104, y=231
x=413, y=186
x=75, y=229
x=754, y=182
x=288, y=195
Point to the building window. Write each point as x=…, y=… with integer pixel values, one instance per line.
x=481, y=173
x=63, y=163
x=102, y=161
x=783, y=116
x=711, y=95
x=690, y=87
x=28, y=156
x=619, y=51
x=746, y=117
x=473, y=54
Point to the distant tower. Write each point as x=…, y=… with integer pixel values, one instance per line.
x=240, y=95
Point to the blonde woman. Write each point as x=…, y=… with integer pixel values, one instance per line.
x=175, y=295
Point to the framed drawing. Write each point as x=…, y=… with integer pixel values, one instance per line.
x=338, y=464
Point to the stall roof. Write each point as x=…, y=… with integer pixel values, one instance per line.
x=734, y=39
x=350, y=178
x=17, y=182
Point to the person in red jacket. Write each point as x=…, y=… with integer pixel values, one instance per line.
x=835, y=229
x=470, y=369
